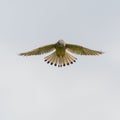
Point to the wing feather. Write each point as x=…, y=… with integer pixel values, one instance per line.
x=81, y=50
x=40, y=50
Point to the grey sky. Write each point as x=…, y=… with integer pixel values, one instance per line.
x=32, y=90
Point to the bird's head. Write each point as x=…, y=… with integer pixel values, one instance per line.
x=60, y=43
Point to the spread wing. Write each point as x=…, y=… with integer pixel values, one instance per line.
x=40, y=50
x=81, y=50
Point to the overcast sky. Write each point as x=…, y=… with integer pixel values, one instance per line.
x=32, y=90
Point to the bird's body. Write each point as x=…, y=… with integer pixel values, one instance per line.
x=60, y=56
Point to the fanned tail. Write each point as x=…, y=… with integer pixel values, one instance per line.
x=60, y=61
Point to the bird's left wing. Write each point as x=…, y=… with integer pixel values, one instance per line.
x=81, y=50
x=40, y=50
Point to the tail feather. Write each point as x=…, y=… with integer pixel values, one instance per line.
x=55, y=61
x=52, y=59
x=73, y=58
x=64, y=61
x=60, y=61
x=67, y=60
x=70, y=58
x=49, y=58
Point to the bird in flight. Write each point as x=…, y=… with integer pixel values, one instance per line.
x=61, y=53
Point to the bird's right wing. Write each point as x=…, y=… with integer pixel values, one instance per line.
x=82, y=50
x=40, y=50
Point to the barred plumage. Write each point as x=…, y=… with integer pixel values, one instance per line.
x=60, y=57
x=55, y=60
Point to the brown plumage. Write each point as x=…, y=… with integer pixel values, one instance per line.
x=60, y=57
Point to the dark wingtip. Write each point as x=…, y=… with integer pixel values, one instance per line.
x=24, y=54
x=102, y=52
x=20, y=54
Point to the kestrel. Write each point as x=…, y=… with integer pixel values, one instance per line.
x=60, y=55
